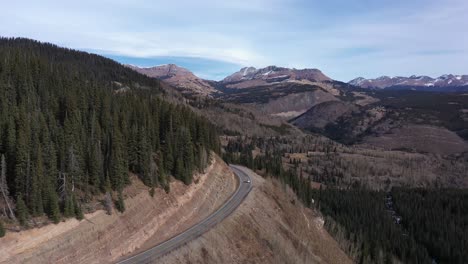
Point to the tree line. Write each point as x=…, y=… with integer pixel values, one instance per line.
x=73, y=124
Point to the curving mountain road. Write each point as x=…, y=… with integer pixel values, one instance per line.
x=245, y=186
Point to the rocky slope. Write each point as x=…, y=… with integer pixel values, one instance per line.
x=444, y=81
x=178, y=77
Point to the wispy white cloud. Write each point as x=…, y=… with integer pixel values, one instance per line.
x=343, y=39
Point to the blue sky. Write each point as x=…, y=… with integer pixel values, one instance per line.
x=345, y=39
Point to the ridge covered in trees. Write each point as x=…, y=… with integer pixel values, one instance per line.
x=73, y=124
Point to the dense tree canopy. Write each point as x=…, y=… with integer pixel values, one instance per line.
x=73, y=124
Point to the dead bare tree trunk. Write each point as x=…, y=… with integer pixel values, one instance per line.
x=63, y=186
x=4, y=188
x=73, y=166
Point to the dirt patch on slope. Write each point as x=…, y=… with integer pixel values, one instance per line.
x=270, y=226
x=102, y=238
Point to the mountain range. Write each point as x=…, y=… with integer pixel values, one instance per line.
x=250, y=77
x=364, y=111
x=445, y=82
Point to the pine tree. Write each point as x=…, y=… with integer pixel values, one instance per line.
x=119, y=169
x=178, y=171
x=68, y=206
x=185, y=163
x=22, y=156
x=96, y=165
x=52, y=206
x=144, y=154
x=132, y=145
x=21, y=210
x=11, y=144
x=2, y=230
x=168, y=154
x=95, y=154
x=77, y=209
x=37, y=182
x=120, y=204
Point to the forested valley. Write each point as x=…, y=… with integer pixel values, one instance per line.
x=411, y=225
x=73, y=125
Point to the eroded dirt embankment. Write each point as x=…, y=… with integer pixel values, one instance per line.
x=270, y=226
x=102, y=238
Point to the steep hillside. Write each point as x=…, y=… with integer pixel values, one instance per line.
x=412, y=120
x=103, y=238
x=72, y=127
x=271, y=226
x=293, y=105
x=286, y=100
x=178, y=77
x=323, y=114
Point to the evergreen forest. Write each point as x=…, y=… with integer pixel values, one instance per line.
x=73, y=125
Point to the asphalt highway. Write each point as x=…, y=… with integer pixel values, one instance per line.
x=150, y=255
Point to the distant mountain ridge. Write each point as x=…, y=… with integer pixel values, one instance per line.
x=384, y=82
